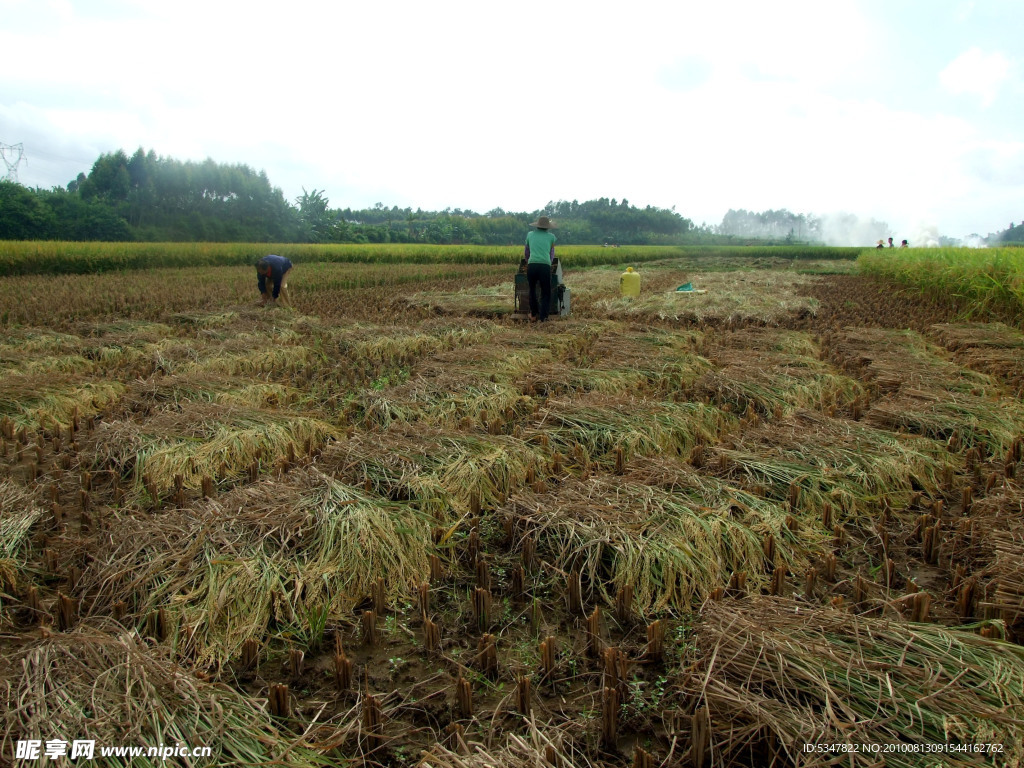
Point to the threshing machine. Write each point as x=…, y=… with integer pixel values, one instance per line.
x=559, y=292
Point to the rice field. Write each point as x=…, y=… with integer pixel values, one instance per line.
x=396, y=526
x=981, y=281
x=74, y=258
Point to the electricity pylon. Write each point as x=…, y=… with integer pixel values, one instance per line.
x=13, y=155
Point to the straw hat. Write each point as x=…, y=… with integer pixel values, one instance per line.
x=543, y=223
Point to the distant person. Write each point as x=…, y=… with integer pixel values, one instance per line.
x=277, y=269
x=904, y=244
x=539, y=251
x=890, y=242
x=881, y=245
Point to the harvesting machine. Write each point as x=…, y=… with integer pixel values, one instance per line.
x=559, y=292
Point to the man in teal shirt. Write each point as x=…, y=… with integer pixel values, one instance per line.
x=539, y=251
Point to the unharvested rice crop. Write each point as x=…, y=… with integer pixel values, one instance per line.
x=984, y=281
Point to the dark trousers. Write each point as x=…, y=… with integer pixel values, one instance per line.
x=539, y=274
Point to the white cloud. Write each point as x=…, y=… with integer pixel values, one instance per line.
x=976, y=72
x=701, y=106
x=964, y=10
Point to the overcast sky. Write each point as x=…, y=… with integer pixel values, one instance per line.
x=908, y=111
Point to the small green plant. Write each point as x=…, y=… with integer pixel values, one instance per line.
x=391, y=379
x=311, y=628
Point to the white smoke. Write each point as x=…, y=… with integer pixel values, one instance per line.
x=841, y=229
x=924, y=236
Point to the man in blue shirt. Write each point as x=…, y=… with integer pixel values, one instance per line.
x=276, y=268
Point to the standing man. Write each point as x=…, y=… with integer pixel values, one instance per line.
x=539, y=251
x=276, y=268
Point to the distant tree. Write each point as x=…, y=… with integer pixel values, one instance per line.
x=78, y=219
x=109, y=179
x=1012, y=234
x=142, y=193
x=315, y=221
x=22, y=215
x=74, y=187
x=166, y=199
x=784, y=226
x=147, y=197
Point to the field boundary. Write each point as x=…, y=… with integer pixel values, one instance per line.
x=57, y=257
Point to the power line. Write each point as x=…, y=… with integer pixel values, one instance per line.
x=13, y=155
x=37, y=153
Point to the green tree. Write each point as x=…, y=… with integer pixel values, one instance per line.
x=1013, y=234
x=109, y=179
x=78, y=219
x=22, y=215
x=314, y=220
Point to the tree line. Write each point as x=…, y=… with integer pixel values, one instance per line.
x=148, y=198
x=145, y=197
x=1012, y=235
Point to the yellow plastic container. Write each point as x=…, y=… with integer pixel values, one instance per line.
x=629, y=284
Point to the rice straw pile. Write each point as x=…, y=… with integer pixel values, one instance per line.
x=993, y=348
x=772, y=380
x=673, y=545
x=453, y=385
x=88, y=684
x=252, y=362
x=436, y=472
x=264, y=556
x=398, y=350
x=185, y=389
x=622, y=359
x=844, y=463
x=766, y=297
x=48, y=400
x=601, y=424
x=776, y=675
x=990, y=422
x=218, y=441
x=894, y=359
x=927, y=394
x=18, y=515
x=534, y=750
x=446, y=409
x=997, y=547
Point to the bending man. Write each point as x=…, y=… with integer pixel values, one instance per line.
x=276, y=268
